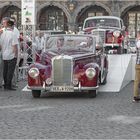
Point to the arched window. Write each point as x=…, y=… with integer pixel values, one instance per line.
x=52, y=18
x=132, y=20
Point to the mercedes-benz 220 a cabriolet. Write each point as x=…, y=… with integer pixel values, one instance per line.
x=70, y=63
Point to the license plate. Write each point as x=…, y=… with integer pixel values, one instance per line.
x=62, y=89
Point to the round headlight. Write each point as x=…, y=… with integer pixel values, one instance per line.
x=90, y=73
x=48, y=81
x=116, y=33
x=33, y=72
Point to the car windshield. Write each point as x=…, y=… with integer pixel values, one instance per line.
x=70, y=42
x=102, y=22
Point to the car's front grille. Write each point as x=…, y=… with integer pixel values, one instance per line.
x=62, y=70
x=100, y=33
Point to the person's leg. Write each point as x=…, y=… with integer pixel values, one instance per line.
x=21, y=62
x=10, y=72
x=15, y=77
x=5, y=70
x=1, y=71
x=137, y=81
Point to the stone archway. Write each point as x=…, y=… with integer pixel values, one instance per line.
x=55, y=7
x=12, y=11
x=9, y=3
x=131, y=16
x=90, y=9
x=52, y=18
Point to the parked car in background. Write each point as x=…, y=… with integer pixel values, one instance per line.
x=132, y=45
x=71, y=63
x=110, y=28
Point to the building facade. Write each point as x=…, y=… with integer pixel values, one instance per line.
x=70, y=14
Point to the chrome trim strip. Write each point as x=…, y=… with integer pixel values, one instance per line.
x=36, y=87
x=111, y=45
x=79, y=88
x=86, y=88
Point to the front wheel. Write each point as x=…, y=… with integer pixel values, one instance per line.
x=36, y=93
x=92, y=93
x=104, y=81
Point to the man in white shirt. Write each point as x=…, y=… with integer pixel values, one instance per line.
x=17, y=34
x=2, y=29
x=1, y=69
x=9, y=47
x=1, y=62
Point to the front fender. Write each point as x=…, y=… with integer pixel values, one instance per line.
x=44, y=72
x=83, y=79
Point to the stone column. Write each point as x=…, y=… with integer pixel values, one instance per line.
x=115, y=8
x=72, y=4
x=71, y=24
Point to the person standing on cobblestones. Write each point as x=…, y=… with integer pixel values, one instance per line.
x=1, y=62
x=137, y=71
x=1, y=69
x=9, y=47
x=17, y=34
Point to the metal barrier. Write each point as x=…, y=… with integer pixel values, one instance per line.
x=27, y=51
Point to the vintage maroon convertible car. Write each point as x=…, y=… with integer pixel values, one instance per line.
x=70, y=63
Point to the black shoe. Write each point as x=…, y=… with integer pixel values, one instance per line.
x=136, y=99
x=14, y=86
x=9, y=88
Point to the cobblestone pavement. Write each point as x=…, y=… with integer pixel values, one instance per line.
x=69, y=116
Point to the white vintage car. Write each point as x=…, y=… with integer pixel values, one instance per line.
x=110, y=28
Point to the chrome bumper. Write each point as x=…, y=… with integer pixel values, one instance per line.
x=75, y=88
x=112, y=45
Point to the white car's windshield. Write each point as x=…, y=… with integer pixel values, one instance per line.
x=70, y=42
x=102, y=22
